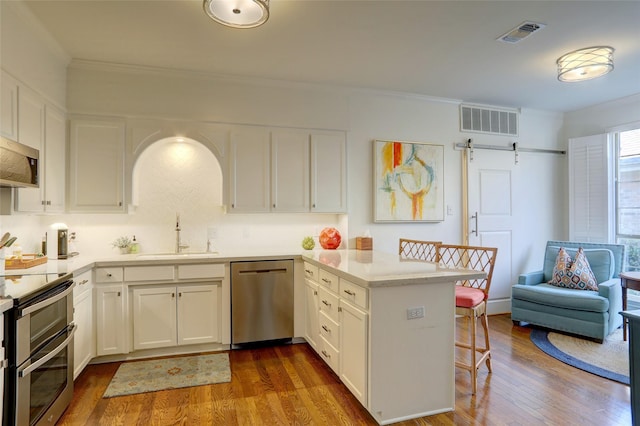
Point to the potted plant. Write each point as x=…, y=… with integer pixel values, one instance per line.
x=122, y=243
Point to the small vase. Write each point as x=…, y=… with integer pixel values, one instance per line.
x=124, y=250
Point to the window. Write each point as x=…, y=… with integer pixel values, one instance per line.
x=628, y=194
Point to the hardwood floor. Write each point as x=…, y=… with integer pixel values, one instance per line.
x=291, y=385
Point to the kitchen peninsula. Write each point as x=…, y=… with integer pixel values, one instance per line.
x=386, y=326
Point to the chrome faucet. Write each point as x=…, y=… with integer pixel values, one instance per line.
x=179, y=246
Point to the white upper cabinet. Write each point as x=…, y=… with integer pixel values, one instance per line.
x=31, y=132
x=290, y=171
x=328, y=173
x=96, y=169
x=8, y=106
x=249, y=170
x=28, y=119
x=287, y=170
x=55, y=139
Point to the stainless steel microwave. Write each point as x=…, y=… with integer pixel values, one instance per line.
x=18, y=164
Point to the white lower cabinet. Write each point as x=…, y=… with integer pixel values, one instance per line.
x=337, y=326
x=84, y=340
x=175, y=315
x=110, y=319
x=311, y=330
x=353, y=349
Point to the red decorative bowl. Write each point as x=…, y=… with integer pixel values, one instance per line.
x=330, y=238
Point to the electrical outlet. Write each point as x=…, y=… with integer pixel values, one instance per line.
x=415, y=313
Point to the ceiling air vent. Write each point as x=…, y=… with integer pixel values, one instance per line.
x=521, y=32
x=488, y=120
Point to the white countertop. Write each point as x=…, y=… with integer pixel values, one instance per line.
x=377, y=269
x=79, y=264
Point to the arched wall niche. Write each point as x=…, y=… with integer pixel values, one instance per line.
x=142, y=134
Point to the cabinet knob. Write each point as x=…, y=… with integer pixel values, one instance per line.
x=326, y=303
x=326, y=354
x=83, y=282
x=119, y=203
x=173, y=295
x=233, y=206
x=109, y=275
x=274, y=206
x=118, y=294
x=314, y=205
x=48, y=202
x=42, y=202
x=325, y=328
x=350, y=293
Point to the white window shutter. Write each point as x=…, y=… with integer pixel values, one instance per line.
x=591, y=189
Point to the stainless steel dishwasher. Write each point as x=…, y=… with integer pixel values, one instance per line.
x=261, y=301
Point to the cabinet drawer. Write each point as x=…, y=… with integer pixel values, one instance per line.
x=328, y=280
x=330, y=330
x=328, y=303
x=149, y=273
x=329, y=354
x=311, y=272
x=83, y=283
x=109, y=275
x=189, y=272
x=354, y=293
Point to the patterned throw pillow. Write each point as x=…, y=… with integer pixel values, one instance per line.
x=575, y=274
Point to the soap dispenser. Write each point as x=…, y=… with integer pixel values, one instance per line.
x=135, y=246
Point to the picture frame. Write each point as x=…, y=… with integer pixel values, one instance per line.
x=408, y=181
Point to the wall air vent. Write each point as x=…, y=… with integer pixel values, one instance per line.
x=521, y=32
x=488, y=120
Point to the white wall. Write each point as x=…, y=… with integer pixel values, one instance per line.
x=601, y=118
x=30, y=54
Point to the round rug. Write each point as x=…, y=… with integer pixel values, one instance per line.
x=609, y=359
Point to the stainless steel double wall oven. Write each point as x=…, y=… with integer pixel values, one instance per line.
x=39, y=344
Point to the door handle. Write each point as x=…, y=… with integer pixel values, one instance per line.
x=475, y=216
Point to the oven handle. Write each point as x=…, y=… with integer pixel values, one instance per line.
x=26, y=371
x=49, y=301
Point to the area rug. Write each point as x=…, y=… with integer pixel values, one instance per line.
x=169, y=373
x=609, y=359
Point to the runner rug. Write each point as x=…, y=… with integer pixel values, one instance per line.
x=169, y=373
x=609, y=359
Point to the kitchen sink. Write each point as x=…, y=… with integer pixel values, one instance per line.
x=169, y=256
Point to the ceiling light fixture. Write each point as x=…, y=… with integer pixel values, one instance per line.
x=238, y=13
x=585, y=64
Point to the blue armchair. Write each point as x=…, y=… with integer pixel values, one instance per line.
x=593, y=314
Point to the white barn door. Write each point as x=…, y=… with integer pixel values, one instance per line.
x=490, y=178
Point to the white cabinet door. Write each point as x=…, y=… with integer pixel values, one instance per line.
x=198, y=314
x=55, y=159
x=154, y=317
x=31, y=115
x=96, y=169
x=249, y=171
x=84, y=343
x=289, y=171
x=328, y=173
x=311, y=329
x=353, y=350
x=110, y=320
x=8, y=106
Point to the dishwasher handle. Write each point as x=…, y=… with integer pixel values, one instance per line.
x=264, y=271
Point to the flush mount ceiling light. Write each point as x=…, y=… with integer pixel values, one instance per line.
x=238, y=13
x=585, y=64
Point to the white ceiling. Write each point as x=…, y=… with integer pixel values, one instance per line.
x=443, y=49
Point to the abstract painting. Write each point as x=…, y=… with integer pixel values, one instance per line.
x=408, y=182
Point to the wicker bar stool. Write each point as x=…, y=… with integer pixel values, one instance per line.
x=471, y=299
